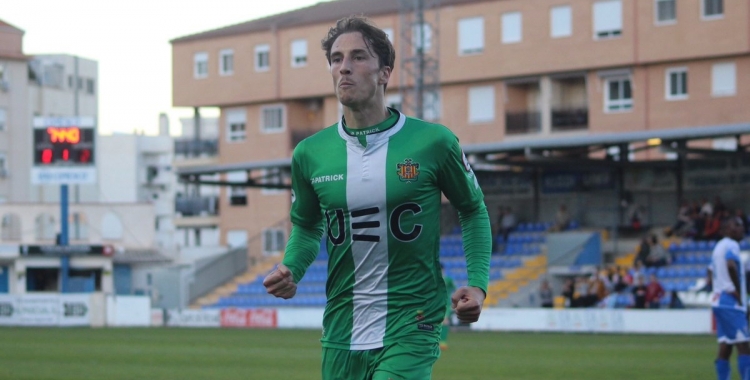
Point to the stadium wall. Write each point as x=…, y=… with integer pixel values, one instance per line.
x=68, y=310
x=690, y=321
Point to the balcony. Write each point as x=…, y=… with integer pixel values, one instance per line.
x=570, y=119
x=188, y=148
x=197, y=206
x=523, y=122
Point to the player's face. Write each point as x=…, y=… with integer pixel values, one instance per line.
x=357, y=75
x=736, y=231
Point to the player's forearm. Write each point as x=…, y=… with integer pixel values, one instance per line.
x=477, y=238
x=302, y=248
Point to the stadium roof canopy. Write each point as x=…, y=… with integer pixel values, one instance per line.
x=573, y=151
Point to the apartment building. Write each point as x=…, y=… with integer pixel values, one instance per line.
x=510, y=71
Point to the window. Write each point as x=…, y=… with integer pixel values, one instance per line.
x=512, y=26
x=724, y=79
x=271, y=176
x=3, y=119
x=3, y=166
x=299, y=53
x=607, y=19
x=78, y=226
x=237, y=194
x=431, y=106
x=421, y=36
x=481, y=104
x=90, y=86
x=561, y=24
x=237, y=238
x=389, y=33
x=666, y=11
x=236, y=121
x=676, y=83
x=272, y=119
x=273, y=241
x=618, y=94
x=713, y=8
x=11, y=227
x=45, y=225
x=200, y=64
x=262, y=57
x=226, y=62
x=470, y=35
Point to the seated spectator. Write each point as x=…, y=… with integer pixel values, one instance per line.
x=637, y=271
x=562, y=219
x=639, y=293
x=545, y=294
x=684, y=221
x=507, y=223
x=644, y=250
x=568, y=292
x=711, y=228
x=654, y=293
x=658, y=256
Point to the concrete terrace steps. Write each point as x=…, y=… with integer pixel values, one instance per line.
x=261, y=268
x=532, y=269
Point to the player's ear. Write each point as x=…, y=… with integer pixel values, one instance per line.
x=384, y=75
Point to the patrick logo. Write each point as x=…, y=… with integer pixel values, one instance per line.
x=408, y=171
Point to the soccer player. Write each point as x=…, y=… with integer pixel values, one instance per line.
x=450, y=287
x=729, y=301
x=375, y=179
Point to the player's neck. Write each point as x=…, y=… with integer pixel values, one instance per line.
x=364, y=117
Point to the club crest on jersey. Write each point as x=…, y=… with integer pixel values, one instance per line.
x=408, y=171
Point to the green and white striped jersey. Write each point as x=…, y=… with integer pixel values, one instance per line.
x=379, y=192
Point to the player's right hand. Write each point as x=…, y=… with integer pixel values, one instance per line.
x=280, y=283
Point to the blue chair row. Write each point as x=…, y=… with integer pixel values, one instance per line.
x=692, y=258
x=678, y=285
x=522, y=249
x=680, y=272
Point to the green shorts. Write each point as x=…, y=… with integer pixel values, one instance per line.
x=398, y=361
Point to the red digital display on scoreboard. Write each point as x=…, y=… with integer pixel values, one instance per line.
x=63, y=145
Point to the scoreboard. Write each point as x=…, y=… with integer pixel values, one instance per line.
x=64, y=150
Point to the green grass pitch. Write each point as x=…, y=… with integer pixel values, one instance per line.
x=216, y=354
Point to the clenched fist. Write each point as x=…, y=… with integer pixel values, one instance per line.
x=280, y=283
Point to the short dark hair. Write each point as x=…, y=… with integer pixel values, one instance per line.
x=375, y=38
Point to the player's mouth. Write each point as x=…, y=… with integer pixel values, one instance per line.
x=345, y=84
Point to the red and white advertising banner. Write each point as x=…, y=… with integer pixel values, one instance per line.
x=257, y=318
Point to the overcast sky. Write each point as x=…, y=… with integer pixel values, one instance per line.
x=130, y=40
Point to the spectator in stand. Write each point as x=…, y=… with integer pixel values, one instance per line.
x=707, y=208
x=639, y=293
x=644, y=250
x=625, y=276
x=619, y=299
x=562, y=219
x=545, y=294
x=658, y=256
x=568, y=292
x=684, y=220
x=719, y=206
x=636, y=272
x=507, y=223
x=581, y=295
x=711, y=230
x=675, y=302
x=654, y=293
x=740, y=214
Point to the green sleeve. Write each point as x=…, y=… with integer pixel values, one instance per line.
x=459, y=184
x=307, y=220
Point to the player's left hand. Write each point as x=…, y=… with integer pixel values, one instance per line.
x=467, y=303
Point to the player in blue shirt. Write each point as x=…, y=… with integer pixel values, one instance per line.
x=729, y=301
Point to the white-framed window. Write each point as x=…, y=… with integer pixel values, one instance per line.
x=200, y=65
x=299, y=53
x=607, y=19
x=226, y=62
x=665, y=12
x=389, y=33
x=481, y=104
x=272, y=119
x=90, y=86
x=237, y=194
x=274, y=240
x=560, y=20
x=676, y=83
x=236, y=121
x=237, y=238
x=618, y=94
x=393, y=101
x=11, y=227
x=724, y=79
x=512, y=23
x=262, y=57
x=3, y=165
x=431, y=106
x=711, y=9
x=421, y=37
x=44, y=227
x=3, y=119
x=470, y=35
x=271, y=176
